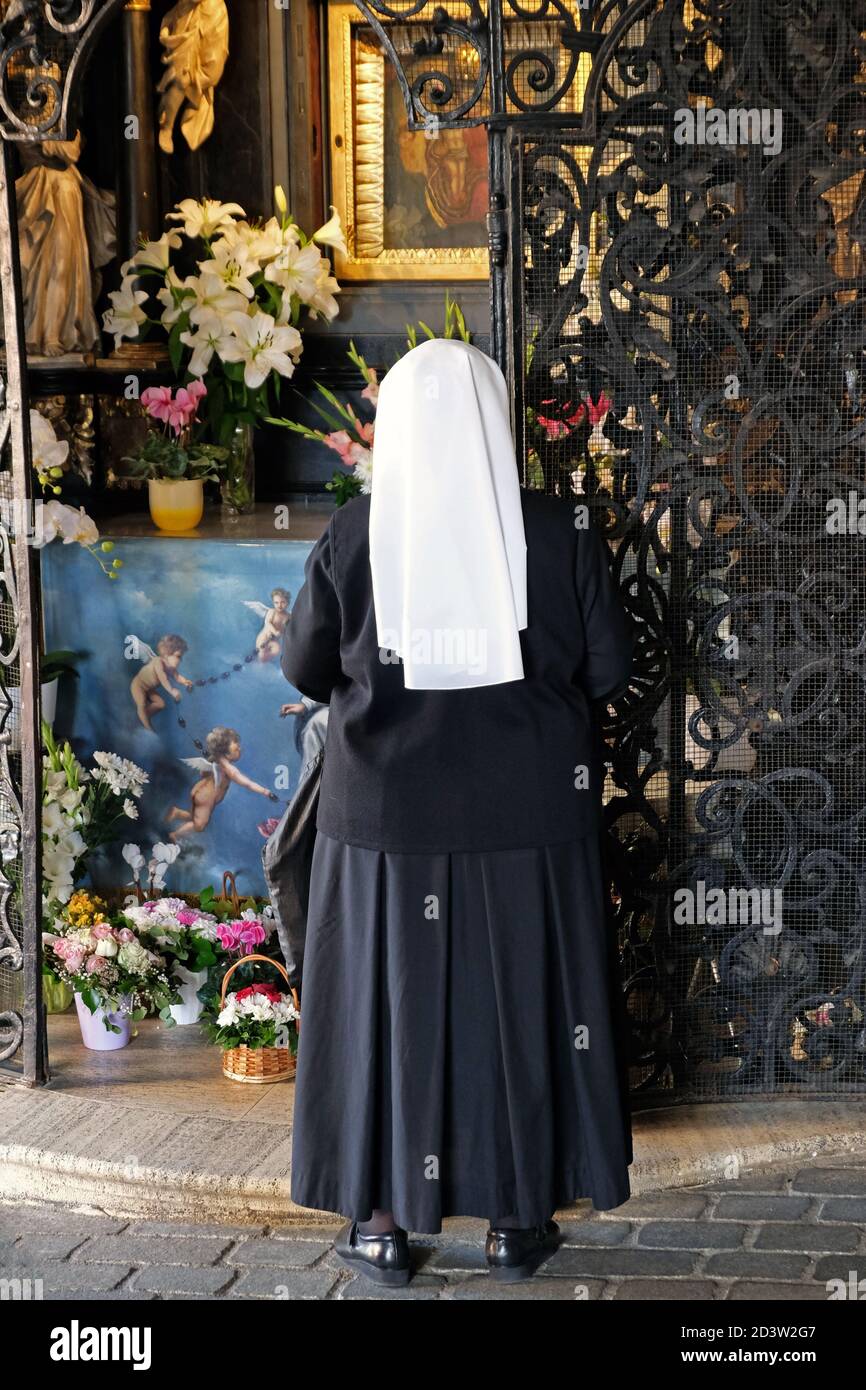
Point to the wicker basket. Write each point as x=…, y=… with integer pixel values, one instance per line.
x=259, y=1065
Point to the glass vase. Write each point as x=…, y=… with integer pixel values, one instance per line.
x=238, y=478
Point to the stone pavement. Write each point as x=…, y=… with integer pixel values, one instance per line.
x=780, y=1235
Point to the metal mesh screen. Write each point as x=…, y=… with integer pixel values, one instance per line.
x=689, y=344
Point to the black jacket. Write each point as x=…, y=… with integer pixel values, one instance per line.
x=498, y=767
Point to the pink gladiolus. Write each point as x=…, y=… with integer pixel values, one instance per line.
x=371, y=390
x=341, y=443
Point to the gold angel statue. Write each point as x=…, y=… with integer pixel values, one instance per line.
x=195, y=37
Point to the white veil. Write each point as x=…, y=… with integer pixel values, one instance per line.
x=447, y=545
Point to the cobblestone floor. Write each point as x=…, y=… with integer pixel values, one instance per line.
x=778, y=1236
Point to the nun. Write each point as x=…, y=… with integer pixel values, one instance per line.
x=461, y=1050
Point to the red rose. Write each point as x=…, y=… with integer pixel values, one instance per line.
x=269, y=991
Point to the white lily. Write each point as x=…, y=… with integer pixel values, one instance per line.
x=157, y=254
x=213, y=296
x=322, y=300
x=296, y=270
x=263, y=345
x=233, y=265
x=205, y=218
x=126, y=315
x=175, y=295
x=332, y=233
x=211, y=336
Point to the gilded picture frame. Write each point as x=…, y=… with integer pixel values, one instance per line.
x=400, y=199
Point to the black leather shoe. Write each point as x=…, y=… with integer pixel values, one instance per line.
x=515, y=1253
x=383, y=1258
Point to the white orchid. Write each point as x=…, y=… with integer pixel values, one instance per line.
x=72, y=523
x=205, y=218
x=125, y=317
x=332, y=233
x=47, y=450
x=263, y=345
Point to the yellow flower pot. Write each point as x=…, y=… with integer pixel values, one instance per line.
x=175, y=504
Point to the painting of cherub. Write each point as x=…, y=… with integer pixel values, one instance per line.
x=274, y=621
x=217, y=772
x=159, y=670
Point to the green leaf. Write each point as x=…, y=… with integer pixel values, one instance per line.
x=175, y=347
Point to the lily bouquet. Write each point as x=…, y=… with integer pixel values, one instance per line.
x=233, y=322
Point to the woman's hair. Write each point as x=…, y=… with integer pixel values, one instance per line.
x=220, y=740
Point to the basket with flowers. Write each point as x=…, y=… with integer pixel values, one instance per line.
x=257, y=1028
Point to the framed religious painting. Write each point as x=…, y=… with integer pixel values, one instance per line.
x=413, y=203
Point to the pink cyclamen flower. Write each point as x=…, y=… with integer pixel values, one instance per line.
x=157, y=402
x=183, y=408
x=228, y=936
x=251, y=934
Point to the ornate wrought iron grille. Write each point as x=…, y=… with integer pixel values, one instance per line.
x=702, y=276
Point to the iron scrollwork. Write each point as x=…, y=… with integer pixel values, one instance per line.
x=684, y=322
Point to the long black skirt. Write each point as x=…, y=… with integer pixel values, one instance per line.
x=461, y=1048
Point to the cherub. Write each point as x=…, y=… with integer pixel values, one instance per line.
x=274, y=622
x=222, y=750
x=159, y=668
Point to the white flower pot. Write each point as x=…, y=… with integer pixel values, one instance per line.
x=189, y=983
x=49, y=709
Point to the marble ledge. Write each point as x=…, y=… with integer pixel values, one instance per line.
x=307, y=519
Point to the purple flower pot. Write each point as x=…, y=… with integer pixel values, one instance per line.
x=94, y=1033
